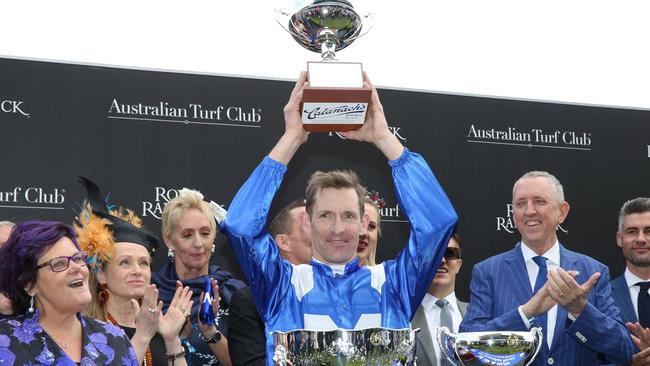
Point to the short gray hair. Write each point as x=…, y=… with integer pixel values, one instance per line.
x=7, y=223
x=637, y=205
x=555, y=184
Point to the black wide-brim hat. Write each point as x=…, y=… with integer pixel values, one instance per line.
x=122, y=230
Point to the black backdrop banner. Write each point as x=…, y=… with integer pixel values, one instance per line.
x=144, y=135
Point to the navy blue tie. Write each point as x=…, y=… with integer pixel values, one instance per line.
x=542, y=276
x=644, y=304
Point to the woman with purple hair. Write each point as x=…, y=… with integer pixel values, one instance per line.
x=44, y=274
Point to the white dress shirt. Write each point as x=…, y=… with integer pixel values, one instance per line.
x=632, y=280
x=432, y=314
x=552, y=262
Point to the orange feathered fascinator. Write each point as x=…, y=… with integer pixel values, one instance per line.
x=98, y=228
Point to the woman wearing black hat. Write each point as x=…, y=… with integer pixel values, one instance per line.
x=119, y=251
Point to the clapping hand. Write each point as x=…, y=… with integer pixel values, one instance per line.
x=147, y=316
x=564, y=289
x=179, y=310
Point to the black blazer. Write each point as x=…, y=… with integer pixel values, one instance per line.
x=246, y=335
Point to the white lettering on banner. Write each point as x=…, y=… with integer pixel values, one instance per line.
x=33, y=197
x=161, y=197
x=12, y=106
x=536, y=137
x=391, y=214
x=394, y=130
x=507, y=223
x=38, y=195
x=648, y=151
x=155, y=208
x=194, y=113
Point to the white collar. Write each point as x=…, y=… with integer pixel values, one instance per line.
x=631, y=278
x=337, y=269
x=429, y=300
x=552, y=254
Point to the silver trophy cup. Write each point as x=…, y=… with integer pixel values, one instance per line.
x=336, y=98
x=324, y=26
x=376, y=346
x=490, y=348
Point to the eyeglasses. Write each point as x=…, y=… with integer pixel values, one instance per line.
x=60, y=264
x=452, y=254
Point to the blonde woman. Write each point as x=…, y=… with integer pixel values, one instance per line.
x=189, y=230
x=119, y=251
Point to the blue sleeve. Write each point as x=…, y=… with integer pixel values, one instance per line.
x=254, y=248
x=599, y=326
x=433, y=221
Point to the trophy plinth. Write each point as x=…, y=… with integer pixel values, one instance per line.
x=335, y=99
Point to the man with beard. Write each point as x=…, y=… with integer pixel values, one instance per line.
x=631, y=290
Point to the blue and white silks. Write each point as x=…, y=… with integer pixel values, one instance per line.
x=317, y=296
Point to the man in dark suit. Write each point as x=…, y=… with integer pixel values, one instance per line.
x=633, y=237
x=541, y=283
x=246, y=336
x=440, y=307
x=630, y=290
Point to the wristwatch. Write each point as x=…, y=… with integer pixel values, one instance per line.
x=215, y=338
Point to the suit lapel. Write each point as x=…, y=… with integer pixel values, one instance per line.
x=426, y=343
x=518, y=274
x=462, y=307
x=621, y=294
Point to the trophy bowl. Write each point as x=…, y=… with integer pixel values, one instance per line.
x=490, y=348
x=375, y=346
x=325, y=26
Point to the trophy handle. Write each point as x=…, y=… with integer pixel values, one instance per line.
x=327, y=44
x=444, y=336
x=539, y=335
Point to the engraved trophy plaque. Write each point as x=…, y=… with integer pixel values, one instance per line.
x=490, y=348
x=335, y=98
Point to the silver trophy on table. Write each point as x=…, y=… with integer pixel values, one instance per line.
x=490, y=348
x=374, y=347
x=336, y=99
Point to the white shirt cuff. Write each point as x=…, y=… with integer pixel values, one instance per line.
x=523, y=317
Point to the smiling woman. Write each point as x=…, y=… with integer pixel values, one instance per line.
x=44, y=274
x=120, y=250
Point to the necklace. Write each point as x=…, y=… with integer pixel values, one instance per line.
x=148, y=357
x=65, y=344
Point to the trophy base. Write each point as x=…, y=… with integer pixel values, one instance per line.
x=331, y=127
x=334, y=109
